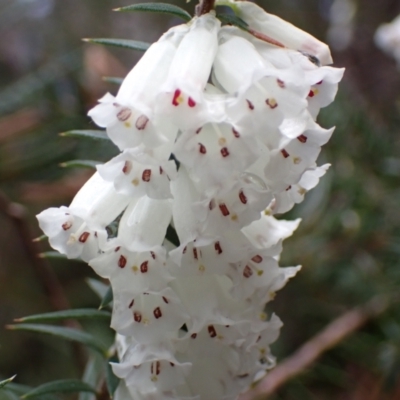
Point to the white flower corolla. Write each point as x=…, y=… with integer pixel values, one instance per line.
x=182, y=95
x=285, y=201
x=279, y=30
x=144, y=224
x=79, y=230
x=147, y=316
x=215, y=151
x=149, y=368
x=135, y=173
x=133, y=272
x=387, y=38
x=129, y=117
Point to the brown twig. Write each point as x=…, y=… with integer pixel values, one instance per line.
x=309, y=352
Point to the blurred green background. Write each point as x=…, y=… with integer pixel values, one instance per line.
x=348, y=242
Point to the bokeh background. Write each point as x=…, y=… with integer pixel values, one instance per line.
x=348, y=242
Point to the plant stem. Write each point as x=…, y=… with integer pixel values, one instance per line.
x=204, y=7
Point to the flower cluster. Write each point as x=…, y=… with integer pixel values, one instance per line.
x=214, y=162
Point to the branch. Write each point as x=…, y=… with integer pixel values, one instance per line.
x=309, y=352
x=204, y=7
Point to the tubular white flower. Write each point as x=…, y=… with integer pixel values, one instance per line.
x=280, y=30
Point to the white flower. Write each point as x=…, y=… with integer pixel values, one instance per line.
x=387, y=37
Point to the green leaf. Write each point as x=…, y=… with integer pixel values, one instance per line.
x=94, y=371
x=61, y=386
x=112, y=381
x=107, y=299
x=163, y=8
x=6, y=381
x=113, y=79
x=97, y=286
x=89, y=134
x=39, y=238
x=64, y=333
x=124, y=43
x=171, y=236
x=53, y=254
x=80, y=313
x=13, y=391
x=233, y=20
x=80, y=164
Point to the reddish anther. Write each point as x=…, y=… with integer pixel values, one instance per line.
x=66, y=225
x=84, y=237
x=224, y=209
x=144, y=267
x=137, y=316
x=217, y=247
x=257, y=259
x=242, y=197
x=250, y=104
x=235, y=133
x=211, y=331
x=157, y=313
x=225, y=152
x=175, y=100
x=285, y=153
x=122, y=262
x=146, y=175
x=202, y=149
x=191, y=102
x=302, y=138
x=247, y=272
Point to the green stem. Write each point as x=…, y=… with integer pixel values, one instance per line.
x=204, y=7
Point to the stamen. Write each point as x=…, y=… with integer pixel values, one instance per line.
x=247, y=272
x=202, y=149
x=153, y=255
x=211, y=330
x=242, y=197
x=127, y=167
x=257, y=259
x=288, y=188
x=235, y=133
x=199, y=130
x=177, y=99
x=217, y=247
x=144, y=267
x=84, y=237
x=250, y=104
x=211, y=204
x=122, y=262
x=191, y=102
x=137, y=316
x=280, y=83
x=311, y=93
x=124, y=114
x=157, y=313
x=165, y=300
x=224, y=152
x=195, y=253
x=66, y=225
x=302, y=138
x=117, y=248
x=146, y=175
x=131, y=303
x=141, y=122
x=285, y=153
x=224, y=209
x=193, y=335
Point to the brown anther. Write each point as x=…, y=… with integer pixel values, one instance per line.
x=235, y=133
x=184, y=250
x=66, y=225
x=280, y=83
x=161, y=170
x=157, y=313
x=211, y=331
x=288, y=188
x=217, y=247
x=224, y=209
x=141, y=122
x=247, y=272
x=199, y=130
x=84, y=237
x=175, y=99
x=117, y=248
x=146, y=175
x=224, y=152
x=122, y=262
x=211, y=205
x=302, y=138
x=131, y=303
x=137, y=316
x=195, y=255
x=171, y=364
x=153, y=255
x=202, y=149
x=250, y=104
x=242, y=197
x=127, y=167
x=257, y=259
x=285, y=153
x=144, y=267
x=124, y=114
x=165, y=300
